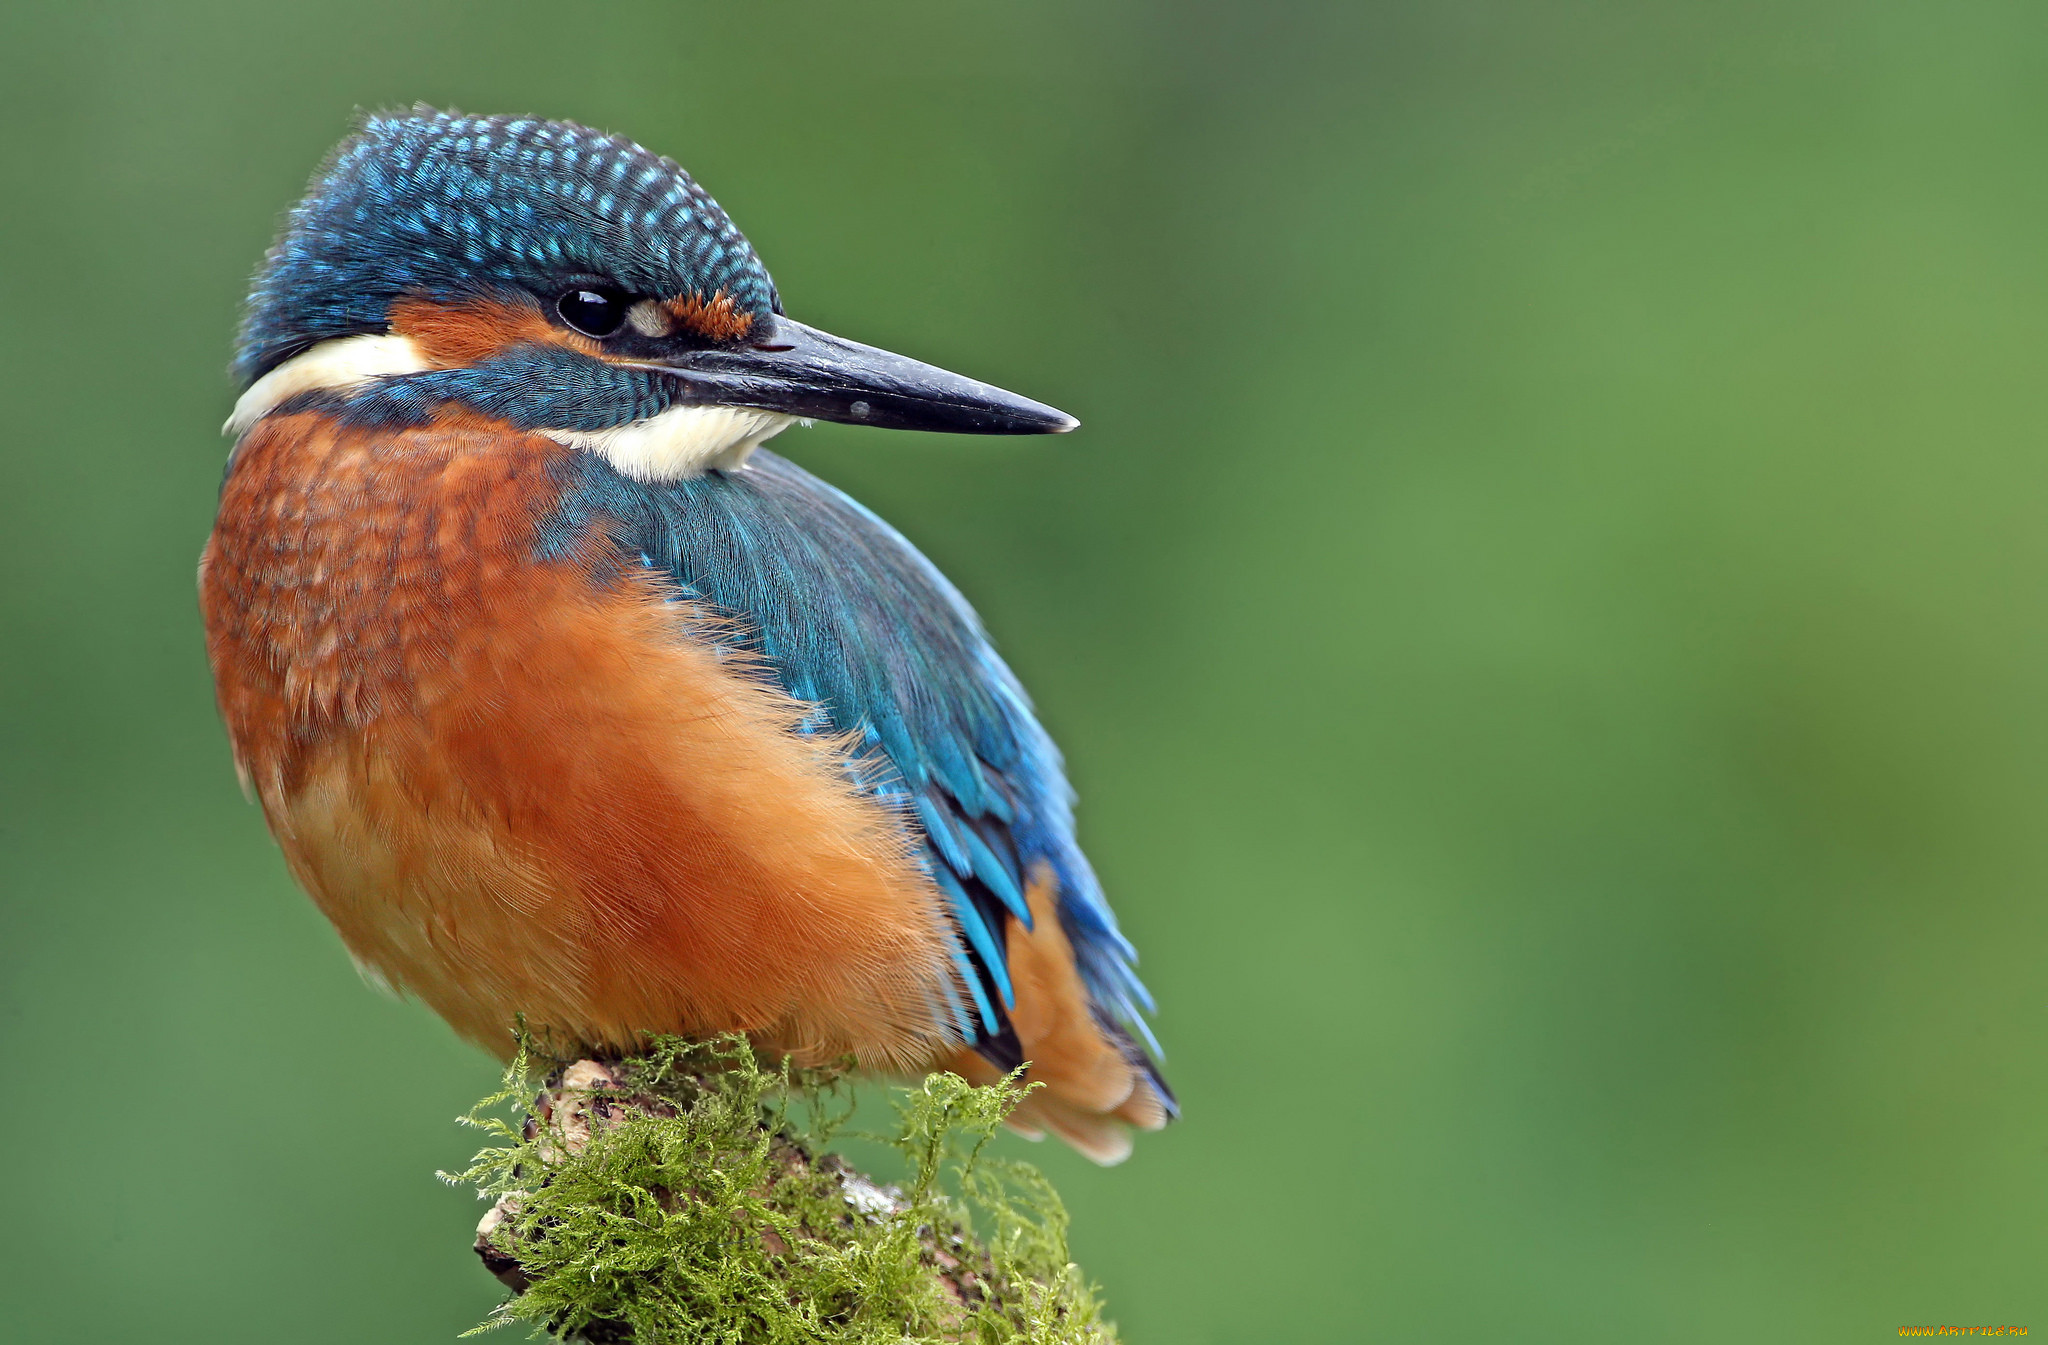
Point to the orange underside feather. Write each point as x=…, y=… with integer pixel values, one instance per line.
x=516, y=792
x=532, y=788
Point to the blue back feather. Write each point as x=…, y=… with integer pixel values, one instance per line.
x=852, y=619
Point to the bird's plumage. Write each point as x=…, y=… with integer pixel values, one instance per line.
x=685, y=742
x=527, y=784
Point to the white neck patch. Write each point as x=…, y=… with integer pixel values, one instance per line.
x=341, y=363
x=681, y=442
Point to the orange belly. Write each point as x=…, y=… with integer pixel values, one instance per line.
x=527, y=787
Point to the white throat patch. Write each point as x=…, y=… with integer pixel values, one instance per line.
x=683, y=441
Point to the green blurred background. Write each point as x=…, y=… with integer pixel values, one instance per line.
x=1548, y=613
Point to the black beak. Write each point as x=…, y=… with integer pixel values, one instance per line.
x=801, y=371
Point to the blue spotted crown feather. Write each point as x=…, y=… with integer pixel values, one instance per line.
x=433, y=204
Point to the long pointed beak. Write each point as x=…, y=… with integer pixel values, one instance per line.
x=801, y=371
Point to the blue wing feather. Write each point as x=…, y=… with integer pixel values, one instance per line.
x=854, y=620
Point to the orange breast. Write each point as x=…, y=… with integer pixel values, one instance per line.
x=528, y=787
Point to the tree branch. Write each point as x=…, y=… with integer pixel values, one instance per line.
x=686, y=1195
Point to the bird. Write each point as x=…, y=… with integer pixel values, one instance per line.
x=571, y=705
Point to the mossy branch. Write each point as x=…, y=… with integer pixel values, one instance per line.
x=684, y=1195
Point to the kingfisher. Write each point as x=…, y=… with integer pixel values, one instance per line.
x=570, y=704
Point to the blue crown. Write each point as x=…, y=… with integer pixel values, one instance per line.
x=443, y=206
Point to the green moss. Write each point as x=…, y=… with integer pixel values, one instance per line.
x=684, y=1199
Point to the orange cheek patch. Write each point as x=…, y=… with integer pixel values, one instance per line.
x=454, y=337
x=717, y=318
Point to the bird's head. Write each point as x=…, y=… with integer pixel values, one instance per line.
x=567, y=282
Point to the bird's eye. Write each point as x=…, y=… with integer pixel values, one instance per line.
x=593, y=312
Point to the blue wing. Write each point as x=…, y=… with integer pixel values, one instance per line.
x=855, y=621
